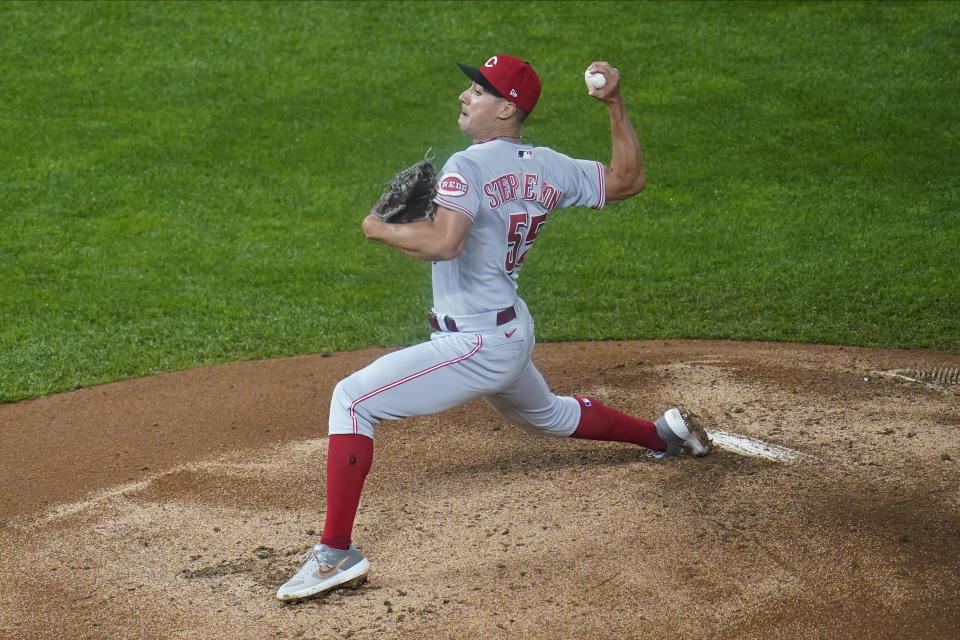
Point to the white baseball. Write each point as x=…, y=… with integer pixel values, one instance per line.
x=595, y=80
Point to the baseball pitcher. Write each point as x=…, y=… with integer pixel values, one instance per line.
x=489, y=205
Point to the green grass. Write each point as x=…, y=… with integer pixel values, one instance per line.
x=181, y=184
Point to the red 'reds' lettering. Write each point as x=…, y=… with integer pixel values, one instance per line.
x=452, y=184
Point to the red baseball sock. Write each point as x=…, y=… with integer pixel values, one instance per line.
x=348, y=461
x=598, y=422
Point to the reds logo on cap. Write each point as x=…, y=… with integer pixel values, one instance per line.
x=452, y=184
x=511, y=77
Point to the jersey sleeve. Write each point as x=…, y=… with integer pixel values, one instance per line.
x=584, y=181
x=458, y=186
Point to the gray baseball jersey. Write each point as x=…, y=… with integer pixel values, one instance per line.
x=509, y=191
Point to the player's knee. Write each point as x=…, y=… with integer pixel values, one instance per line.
x=339, y=399
x=341, y=420
x=348, y=414
x=558, y=420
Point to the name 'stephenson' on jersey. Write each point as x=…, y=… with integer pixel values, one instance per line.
x=508, y=212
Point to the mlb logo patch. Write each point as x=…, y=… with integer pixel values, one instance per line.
x=524, y=154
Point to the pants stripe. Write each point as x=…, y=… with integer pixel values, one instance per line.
x=412, y=376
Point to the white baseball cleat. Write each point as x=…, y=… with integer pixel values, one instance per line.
x=680, y=430
x=325, y=569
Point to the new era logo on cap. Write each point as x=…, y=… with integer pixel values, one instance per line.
x=511, y=77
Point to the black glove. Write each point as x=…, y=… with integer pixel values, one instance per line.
x=409, y=194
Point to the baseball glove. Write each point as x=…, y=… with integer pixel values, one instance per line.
x=409, y=194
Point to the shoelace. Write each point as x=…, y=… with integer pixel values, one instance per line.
x=312, y=553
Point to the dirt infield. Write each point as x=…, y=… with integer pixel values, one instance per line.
x=174, y=506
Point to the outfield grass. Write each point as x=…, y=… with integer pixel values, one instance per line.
x=182, y=183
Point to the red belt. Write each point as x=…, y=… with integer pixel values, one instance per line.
x=503, y=317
